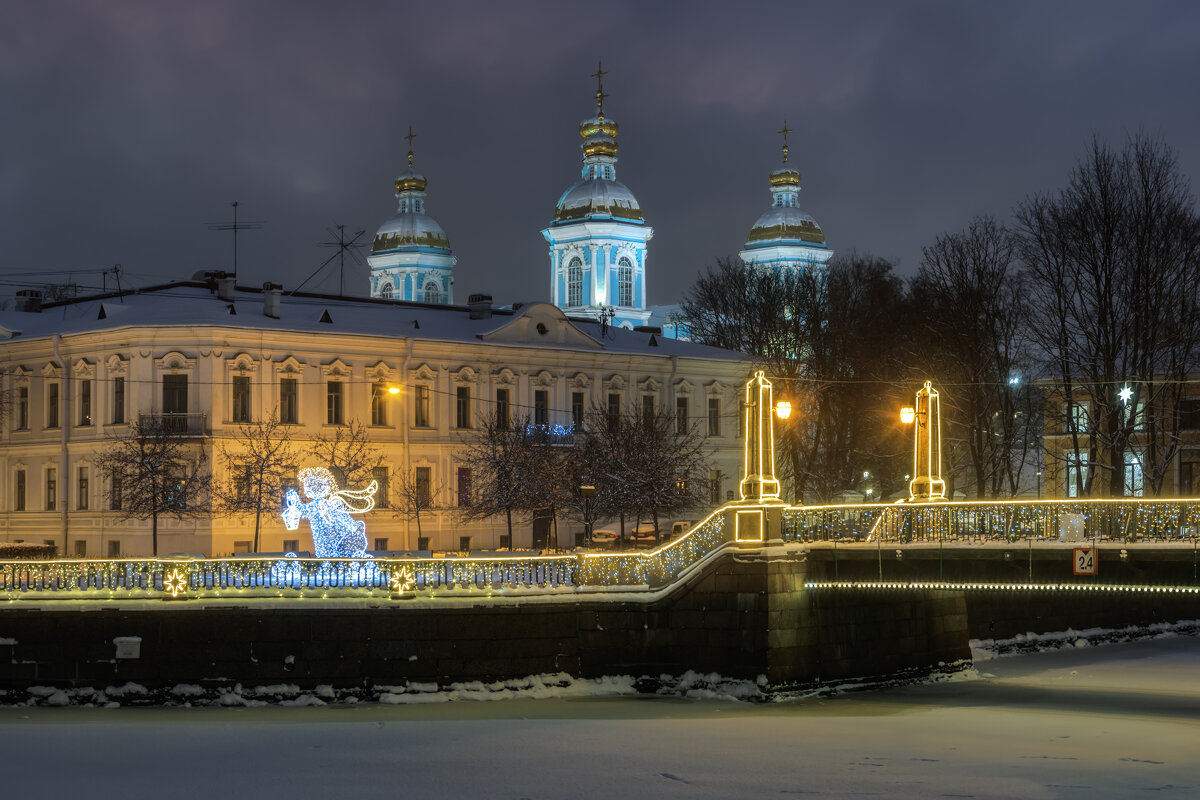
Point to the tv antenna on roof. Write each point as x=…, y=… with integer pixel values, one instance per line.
x=236, y=226
x=343, y=245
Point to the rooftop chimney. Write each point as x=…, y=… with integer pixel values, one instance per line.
x=271, y=293
x=225, y=288
x=480, y=305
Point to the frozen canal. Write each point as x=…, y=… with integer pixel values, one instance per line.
x=1121, y=721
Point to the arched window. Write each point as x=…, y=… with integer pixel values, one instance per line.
x=624, y=283
x=433, y=294
x=386, y=292
x=575, y=283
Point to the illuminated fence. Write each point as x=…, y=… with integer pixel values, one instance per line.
x=174, y=578
x=1019, y=520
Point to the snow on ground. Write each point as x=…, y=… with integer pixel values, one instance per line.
x=1117, y=721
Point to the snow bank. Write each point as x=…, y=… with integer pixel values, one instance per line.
x=987, y=649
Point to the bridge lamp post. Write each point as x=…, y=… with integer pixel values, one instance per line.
x=927, y=484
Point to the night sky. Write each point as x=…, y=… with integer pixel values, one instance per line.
x=127, y=126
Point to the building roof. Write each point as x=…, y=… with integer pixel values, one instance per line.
x=192, y=304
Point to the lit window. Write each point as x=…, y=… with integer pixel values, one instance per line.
x=241, y=398
x=289, y=401
x=575, y=283
x=333, y=403
x=624, y=283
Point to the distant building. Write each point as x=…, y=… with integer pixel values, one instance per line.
x=211, y=356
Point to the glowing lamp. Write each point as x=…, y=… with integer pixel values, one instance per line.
x=783, y=409
x=907, y=415
x=393, y=389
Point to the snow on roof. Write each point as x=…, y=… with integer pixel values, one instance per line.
x=194, y=303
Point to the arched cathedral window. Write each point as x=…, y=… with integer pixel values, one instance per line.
x=575, y=283
x=624, y=283
x=386, y=292
x=433, y=294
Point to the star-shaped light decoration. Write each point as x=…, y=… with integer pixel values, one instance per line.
x=1126, y=394
x=403, y=580
x=175, y=582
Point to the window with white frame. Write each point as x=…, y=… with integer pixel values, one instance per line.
x=241, y=398
x=422, y=418
x=433, y=292
x=335, y=402
x=624, y=282
x=1134, y=483
x=575, y=283
x=1076, y=474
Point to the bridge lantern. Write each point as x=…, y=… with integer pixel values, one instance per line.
x=927, y=483
x=758, y=469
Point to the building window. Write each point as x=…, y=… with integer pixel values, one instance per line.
x=19, y=490
x=714, y=486
x=386, y=291
x=422, y=542
x=175, y=394
x=85, y=402
x=379, y=396
x=52, y=405
x=614, y=410
x=80, y=548
x=575, y=283
x=22, y=408
x=421, y=417
x=624, y=283
x=541, y=407
x=1189, y=414
x=1134, y=485
x=464, y=544
x=433, y=293
x=382, y=492
x=505, y=541
x=648, y=410
x=502, y=409
x=462, y=407
x=243, y=546
x=464, y=487
x=423, y=485
x=118, y=409
x=682, y=423
x=289, y=401
x=240, y=406
x=1077, y=420
x=333, y=402
x=114, y=496
x=1076, y=475
x=381, y=543
x=291, y=545
x=81, y=497
x=714, y=417
x=577, y=410
x=51, y=489
x=114, y=548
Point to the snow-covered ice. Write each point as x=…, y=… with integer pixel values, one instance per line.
x=1114, y=721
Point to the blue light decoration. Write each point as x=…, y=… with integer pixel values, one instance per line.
x=335, y=533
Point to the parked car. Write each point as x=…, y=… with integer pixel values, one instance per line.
x=681, y=526
x=604, y=536
x=644, y=531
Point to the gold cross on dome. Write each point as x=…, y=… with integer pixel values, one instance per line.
x=784, y=133
x=410, y=137
x=600, y=95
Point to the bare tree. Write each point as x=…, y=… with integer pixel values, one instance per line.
x=1114, y=265
x=256, y=466
x=497, y=454
x=415, y=493
x=972, y=341
x=349, y=453
x=154, y=470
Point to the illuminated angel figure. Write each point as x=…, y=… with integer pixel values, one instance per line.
x=335, y=533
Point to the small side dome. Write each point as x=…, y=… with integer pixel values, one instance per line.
x=410, y=181
x=784, y=224
x=785, y=176
x=410, y=231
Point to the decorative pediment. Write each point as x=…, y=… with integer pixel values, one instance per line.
x=544, y=379
x=422, y=372
x=83, y=369
x=684, y=386
x=242, y=363
x=649, y=386
x=541, y=325
x=615, y=383
x=116, y=366
x=581, y=380
x=716, y=389
x=289, y=366
x=51, y=370
x=504, y=375
x=174, y=360
x=20, y=375
x=381, y=373
x=336, y=369
x=466, y=375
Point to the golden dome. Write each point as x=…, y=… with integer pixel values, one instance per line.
x=785, y=176
x=598, y=125
x=410, y=181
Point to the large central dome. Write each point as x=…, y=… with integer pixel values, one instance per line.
x=597, y=198
x=410, y=230
x=785, y=224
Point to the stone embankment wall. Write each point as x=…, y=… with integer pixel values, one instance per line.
x=745, y=614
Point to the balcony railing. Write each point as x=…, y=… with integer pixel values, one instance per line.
x=173, y=423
